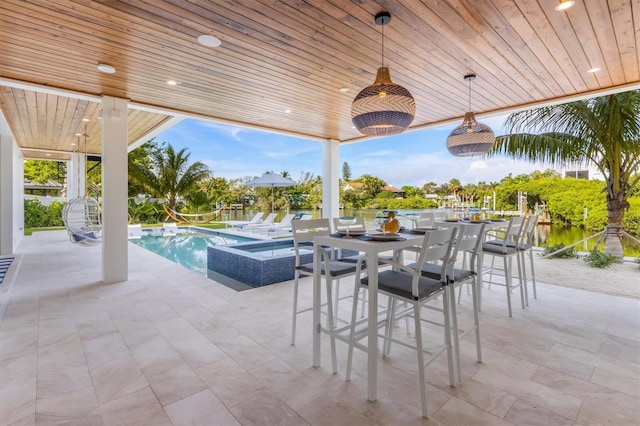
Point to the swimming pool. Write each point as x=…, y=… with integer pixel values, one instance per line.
x=188, y=249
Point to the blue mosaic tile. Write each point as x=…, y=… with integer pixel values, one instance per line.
x=257, y=268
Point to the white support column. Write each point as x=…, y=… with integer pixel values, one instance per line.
x=76, y=176
x=11, y=191
x=114, y=190
x=6, y=195
x=330, y=179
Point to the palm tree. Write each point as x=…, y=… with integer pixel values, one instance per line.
x=373, y=185
x=603, y=130
x=171, y=175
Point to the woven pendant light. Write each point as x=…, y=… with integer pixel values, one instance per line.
x=384, y=108
x=470, y=138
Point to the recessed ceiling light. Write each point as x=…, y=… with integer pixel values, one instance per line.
x=48, y=155
x=344, y=89
x=78, y=134
x=564, y=5
x=594, y=69
x=72, y=144
x=172, y=82
x=288, y=111
x=85, y=119
x=106, y=68
x=209, y=40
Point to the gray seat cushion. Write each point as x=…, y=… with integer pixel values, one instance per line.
x=354, y=259
x=336, y=268
x=522, y=246
x=498, y=249
x=399, y=284
x=431, y=270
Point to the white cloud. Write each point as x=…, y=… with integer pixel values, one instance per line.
x=440, y=167
x=230, y=131
x=478, y=165
x=381, y=153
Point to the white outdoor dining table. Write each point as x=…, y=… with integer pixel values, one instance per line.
x=371, y=249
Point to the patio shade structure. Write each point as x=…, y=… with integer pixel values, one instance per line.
x=308, y=58
x=271, y=180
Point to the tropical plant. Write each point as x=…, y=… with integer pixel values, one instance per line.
x=604, y=131
x=197, y=201
x=42, y=171
x=143, y=211
x=218, y=190
x=598, y=259
x=170, y=176
x=564, y=254
x=372, y=185
x=430, y=188
x=412, y=191
x=141, y=157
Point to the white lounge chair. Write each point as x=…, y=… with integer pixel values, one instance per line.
x=257, y=218
x=134, y=231
x=283, y=226
x=252, y=226
x=170, y=229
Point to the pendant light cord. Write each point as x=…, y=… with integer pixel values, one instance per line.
x=470, y=94
x=382, y=49
x=85, y=163
x=77, y=169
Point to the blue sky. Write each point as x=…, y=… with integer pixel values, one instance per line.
x=412, y=158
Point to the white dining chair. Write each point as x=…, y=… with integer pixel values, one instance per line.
x=462, y=270
x=525, y=247
x=304, y=231
x=506, y=248
x=408, y=287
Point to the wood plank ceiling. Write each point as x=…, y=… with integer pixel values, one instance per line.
x=281, y=64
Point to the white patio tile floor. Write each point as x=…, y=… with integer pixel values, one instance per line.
x=169, y=346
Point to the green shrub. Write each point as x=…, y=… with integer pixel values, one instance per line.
x=34, y=213
x=569, y=253
x=402, y=203
x=37, y=215
x=598, y=259
x=53, y=215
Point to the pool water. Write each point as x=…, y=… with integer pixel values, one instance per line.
x=188, y=249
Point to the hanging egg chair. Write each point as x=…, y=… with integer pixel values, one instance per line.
x=81, y=216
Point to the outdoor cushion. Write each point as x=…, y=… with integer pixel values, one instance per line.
x=498, y=249
x=336, y=268
x=399, y=283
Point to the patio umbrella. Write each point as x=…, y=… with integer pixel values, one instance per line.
x=271, y=180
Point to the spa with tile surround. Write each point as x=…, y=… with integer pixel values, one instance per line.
x=258, y=263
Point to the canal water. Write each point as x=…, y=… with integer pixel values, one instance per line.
x=547, y=235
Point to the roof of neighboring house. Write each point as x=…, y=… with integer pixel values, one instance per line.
x=360, y=185
x=51, y=184
x=391, y=188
